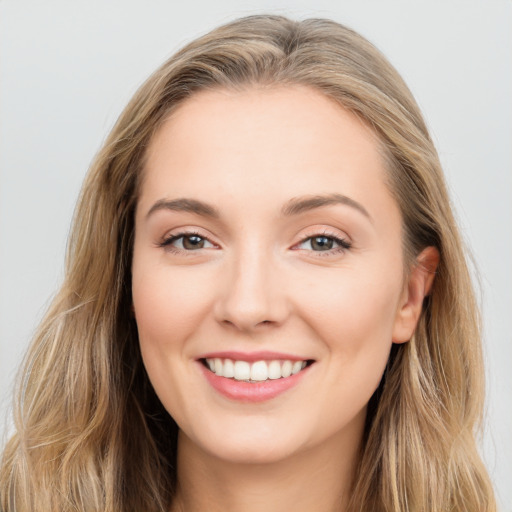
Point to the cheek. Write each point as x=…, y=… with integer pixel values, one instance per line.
x=355, y=319
x=168, y=307
x=353, y=308
x=167, y=304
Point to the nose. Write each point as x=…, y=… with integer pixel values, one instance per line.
x=253, y=292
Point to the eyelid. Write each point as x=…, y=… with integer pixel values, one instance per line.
x=341, y=239
x=166, y=241
x=325, y=231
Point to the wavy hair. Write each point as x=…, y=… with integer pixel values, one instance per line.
x=90, y=432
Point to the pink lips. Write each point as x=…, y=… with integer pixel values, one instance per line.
x=251, y=392
x=262, y=355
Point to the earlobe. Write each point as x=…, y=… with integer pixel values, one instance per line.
x=419, y=285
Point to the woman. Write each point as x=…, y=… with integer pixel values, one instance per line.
x=266, y=302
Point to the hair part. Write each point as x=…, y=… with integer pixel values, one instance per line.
x=91, y=433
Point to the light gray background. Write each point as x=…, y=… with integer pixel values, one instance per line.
x=68, y=67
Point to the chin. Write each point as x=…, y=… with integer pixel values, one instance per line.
x=255, y=444
x=252, y=453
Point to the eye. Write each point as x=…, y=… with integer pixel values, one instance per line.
x=324, y=243
x=186, y=242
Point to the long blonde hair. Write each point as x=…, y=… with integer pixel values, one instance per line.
x=90, y=432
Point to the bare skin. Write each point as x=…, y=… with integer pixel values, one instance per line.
x=316, y=480
x=252, y=272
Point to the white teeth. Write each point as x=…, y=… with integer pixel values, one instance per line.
x=229, y=369
x=274, y=370
x=286, y=369
x=258, y=371
x=297, y=367
x=242, y=370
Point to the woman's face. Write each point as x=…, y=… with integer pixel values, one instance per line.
x=266, y=241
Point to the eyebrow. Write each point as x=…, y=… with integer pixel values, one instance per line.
x=298, y=205
x=185, y=205
x=292, y=207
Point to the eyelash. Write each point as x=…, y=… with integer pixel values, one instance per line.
x=166, y=244
x=343, y=244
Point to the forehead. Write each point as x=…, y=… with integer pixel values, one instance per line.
x=222, y=118
x=285, y=140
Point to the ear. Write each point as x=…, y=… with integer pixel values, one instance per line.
x=415, y=290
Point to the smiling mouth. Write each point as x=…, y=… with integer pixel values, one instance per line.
x=257, y=371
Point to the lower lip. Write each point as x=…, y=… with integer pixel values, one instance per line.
x=252, y=392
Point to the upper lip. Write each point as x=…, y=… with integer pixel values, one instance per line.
x=263, y=355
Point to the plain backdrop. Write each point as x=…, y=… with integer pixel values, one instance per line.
x=67, y=68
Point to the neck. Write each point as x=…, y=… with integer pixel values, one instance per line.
x=316, y=479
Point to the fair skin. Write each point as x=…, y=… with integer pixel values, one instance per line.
x=323, y=284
